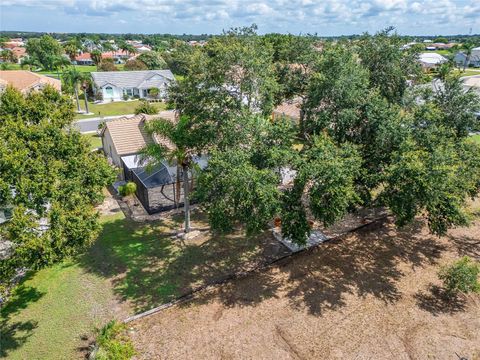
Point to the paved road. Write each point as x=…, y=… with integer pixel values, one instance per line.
x=91, y=125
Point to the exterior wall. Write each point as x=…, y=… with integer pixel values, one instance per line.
x=117, y=93
x=109, y=149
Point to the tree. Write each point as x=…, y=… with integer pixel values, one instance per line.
x=107, y=65
x=59, y=63
x=134, y=64
x=366, y=138
x=389, y=66
x=152, y=60
x=467, y=49
x=178, y=149
x=28, y=62
x=44, y=50
x=146, y=108
x=96, y=56
x=73, y=79
x=8, y=56
x=50, y=177
x=72, y=48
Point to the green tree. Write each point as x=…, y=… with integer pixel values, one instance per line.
x=50, y=177
x=96, y=56
x=107, y=65
x=134, y=64
x=178, y=148
x=72, y=48
x=152, y=60
x=467, y=49
x=146, y=108
x=44, y=50
x=73, y=79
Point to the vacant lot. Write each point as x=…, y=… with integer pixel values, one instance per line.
x=132, y=267
x=370, y=295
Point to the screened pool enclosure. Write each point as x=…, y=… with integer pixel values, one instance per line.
x=156, y=187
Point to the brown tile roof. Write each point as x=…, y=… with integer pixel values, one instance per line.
x=25, y=80
x=19, y=52
x=290, y=108
x=129, y=135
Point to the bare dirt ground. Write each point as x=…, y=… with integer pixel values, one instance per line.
x=373, y=294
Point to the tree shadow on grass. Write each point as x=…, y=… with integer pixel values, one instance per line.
x=364, y=264
x=15, y=333
x=148, y=266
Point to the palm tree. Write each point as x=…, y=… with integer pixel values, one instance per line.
x=60, y=62
x=96, y=56
x=176, y=150
x=72, y=48
x=467, y=47
x=73, y=78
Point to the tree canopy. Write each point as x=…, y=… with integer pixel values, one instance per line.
x=49, y=177
x=366, y=137
x=44, y=50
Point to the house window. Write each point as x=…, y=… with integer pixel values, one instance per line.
x=109, y=91
x=129, y=92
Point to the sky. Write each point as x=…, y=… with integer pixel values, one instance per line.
x=322, y=17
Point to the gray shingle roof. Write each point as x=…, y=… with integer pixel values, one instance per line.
x=133, y=79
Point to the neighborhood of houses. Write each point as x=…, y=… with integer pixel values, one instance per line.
x=125, y=136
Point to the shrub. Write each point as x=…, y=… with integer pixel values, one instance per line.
x=146, y=108
x=127, y=189
x=133, y=64
x=153, y=92
x=125, y=97
x=107, y=65
x=113, y=343
x=99, y=95
x=461, y=276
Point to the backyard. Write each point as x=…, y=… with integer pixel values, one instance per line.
x=373, y=294
x=132, y=267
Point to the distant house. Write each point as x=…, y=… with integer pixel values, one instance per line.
x=461, y=58
x=115, y=84
x=431, y=60
x=26, y=81
x=83, y=59
x=290, y=109
x=472, y=83
x=122, y=141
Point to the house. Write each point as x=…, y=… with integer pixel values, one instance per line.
x=123, y=140
x=83, y=59
x=115, y=84
x=20, y=53
x=290, y=109
x=27, y=81
x=431, y=60
x=461, y=58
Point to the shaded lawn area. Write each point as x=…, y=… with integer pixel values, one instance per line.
x=113, y=108
x=476, y=138
x=467, y=72
x=131, y=267
x=94, y=139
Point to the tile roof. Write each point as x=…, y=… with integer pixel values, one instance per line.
x=129, y=135
x=133, y=79
x=25, y=80
x=290, y=108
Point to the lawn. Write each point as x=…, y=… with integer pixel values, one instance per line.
x=476, y=138
x=113, y=108
x=131, y=267
x=467, y=72
x=95, y=140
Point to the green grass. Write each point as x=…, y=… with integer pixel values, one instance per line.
x=467, y=72
x=95, y=140
x=113, y=108
x=138, y=264
x=476, y=138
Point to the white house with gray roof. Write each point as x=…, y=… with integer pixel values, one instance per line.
x=114, y=84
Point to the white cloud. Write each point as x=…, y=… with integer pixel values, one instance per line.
x=296, y=14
